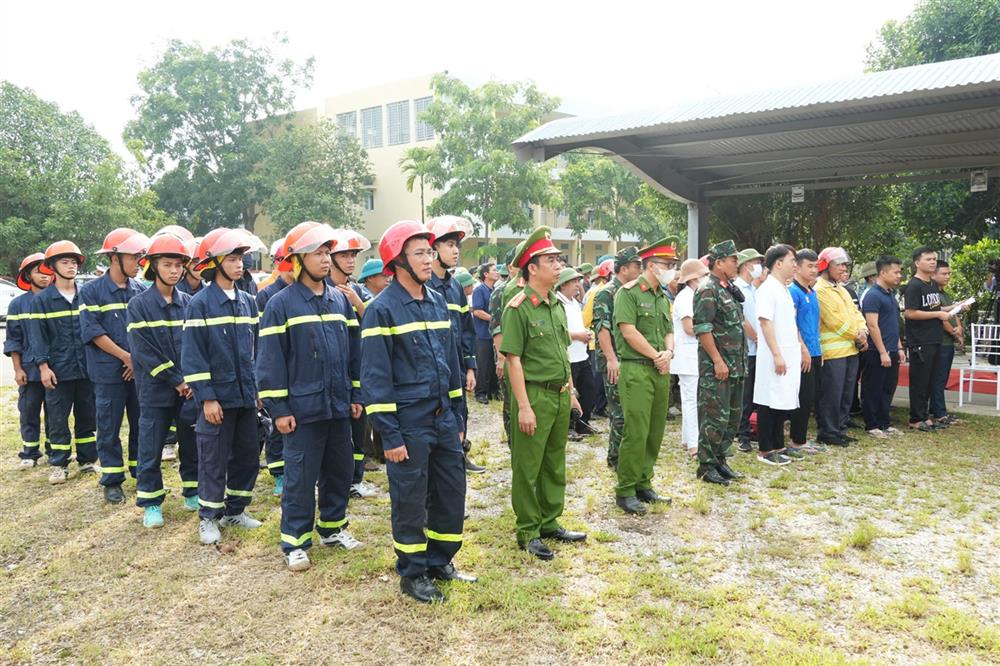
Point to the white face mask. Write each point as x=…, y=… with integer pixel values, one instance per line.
x=756, y=270
x=666, y=277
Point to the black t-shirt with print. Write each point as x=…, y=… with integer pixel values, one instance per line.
x=925, y=297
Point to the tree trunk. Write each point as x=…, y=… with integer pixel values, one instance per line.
x=422, y=200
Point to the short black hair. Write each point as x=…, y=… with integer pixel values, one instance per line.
x=885, y=261
x=805, y=254
x=485, y=268
x=921, y=251
x=776, y=253
x=943, y=264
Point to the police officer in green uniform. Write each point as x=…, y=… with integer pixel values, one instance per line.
x=644, y=339
x=722, y=358
x=627, y=268
x=535, y=341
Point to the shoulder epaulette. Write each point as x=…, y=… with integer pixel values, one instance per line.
x=629, y=285
x=517, y=299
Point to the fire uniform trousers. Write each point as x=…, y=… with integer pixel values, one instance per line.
x=645, y=393
x=358, y=426
x=411, y=382
x=462, y=330
x=217, y=355
x=273, y=455
x=604, y=316
x=309, y=367
x=103, y=312
x=155, y=328
x=537, y=332
x=31, y=396
x=54, y=331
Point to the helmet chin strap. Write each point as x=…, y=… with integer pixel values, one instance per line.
x=303, y=269
x=56, y=271
x=406, y=266
x=336, y=264
x=218, y=267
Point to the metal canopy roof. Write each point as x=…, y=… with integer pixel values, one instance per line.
x=929, y=122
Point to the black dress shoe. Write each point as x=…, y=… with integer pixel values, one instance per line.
x=849, y=439
x=482, y=400
x=713, y=476
x=563, y=534
x=834, y=441
x=449, y=572
x=473, y=468
x=631, y=505
x=114, y=494
x=745, y=446
x=727, y=472
x=650, y=497
x=538, y=548
x=421, y=588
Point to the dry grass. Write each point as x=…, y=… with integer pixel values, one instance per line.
x=761, y=572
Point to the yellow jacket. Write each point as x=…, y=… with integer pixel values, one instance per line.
x=839, y=321
x=588, y=309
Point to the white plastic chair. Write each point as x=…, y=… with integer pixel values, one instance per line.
x=985, y=346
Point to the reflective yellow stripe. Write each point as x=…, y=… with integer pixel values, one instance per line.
x=276, y=465
x=239, y=493
x=457, y=393
x=331, y=524
x=61, y=447
x=405, y=328
x=273, y=393
x=18, y=317
x=156, y=324
x=458, y=308
x=160, y=368
x=410, y=547
x=103, y=308
x=840, y=344
x=31, y=445
x=221, y=321
x=306, y=319
x=198, y=377
x=142, y=494
x=292, y=541
x=359, y=456
x=438, y=536
x=112, y=470
x=173, y=428
x=189, y=484
x=843, y=328
x=381, y=407
x=86, y=440
x=353, y=322
x=133, y=463
x=211, y=505
x=57, y=314
x=355, y=383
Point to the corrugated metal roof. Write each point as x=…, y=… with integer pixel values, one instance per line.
x=877, y=90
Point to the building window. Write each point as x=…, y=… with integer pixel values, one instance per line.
x=399, y=122
x=563, y=246
x=348, y=123
x=424, y=131
x=371, y=127
x=598, y=248
x=368, y=200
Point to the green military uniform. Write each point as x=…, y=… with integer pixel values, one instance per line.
x=534, y=329
x=604, y=319
x=720, y=403
x=502, y=292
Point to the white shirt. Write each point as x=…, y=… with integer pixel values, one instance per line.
x=749, y=311
x=230, y=293
x=774, y=303
x=574, y=320
x=685, y=361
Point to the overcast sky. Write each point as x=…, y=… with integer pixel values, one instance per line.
x=598, y=57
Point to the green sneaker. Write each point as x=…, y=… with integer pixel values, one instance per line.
x=152, y=516
x=794, y=453
x=191, y=503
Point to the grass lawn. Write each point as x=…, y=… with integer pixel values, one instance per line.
x=882, y=553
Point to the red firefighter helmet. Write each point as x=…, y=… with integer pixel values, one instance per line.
x=29, y=262
x=390, y=246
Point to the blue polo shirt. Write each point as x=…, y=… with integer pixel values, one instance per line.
x=883, y=303
x=481, y=301
x=807, y=316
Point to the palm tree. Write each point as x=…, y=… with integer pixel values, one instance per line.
x=416, y=165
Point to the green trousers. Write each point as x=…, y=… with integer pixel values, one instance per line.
x=538, y=464
x=615, y=418
x=644, y=395
x=720, y=406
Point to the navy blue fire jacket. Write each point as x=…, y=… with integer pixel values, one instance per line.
x=155, y=328
x=18, y=336
x=55, y=334
x=461, y=317
x=102, y=312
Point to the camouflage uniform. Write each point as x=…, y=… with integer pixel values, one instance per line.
x=720, y=403
x=503, y=291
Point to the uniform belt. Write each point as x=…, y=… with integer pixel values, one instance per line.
x=643, y=361
x=555, y=387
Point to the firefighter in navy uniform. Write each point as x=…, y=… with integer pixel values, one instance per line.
x=449, y=231
x=411, y=383
x=102, y=324
x=220, y=333
x=57, y=349
x=32, y=278
x=155, y=328
x=309, y=364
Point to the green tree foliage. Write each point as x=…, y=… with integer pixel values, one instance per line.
x=665, y=217
x=416, y=165
x=472, y=164
x=60, y=179
x=204, y=118
x=970, y=269
x=315, y=172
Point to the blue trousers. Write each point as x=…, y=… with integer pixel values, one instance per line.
x=30, y=401
x=154, y=425
x=113, y=401
x=316, y=455
x=274, y=453
x=358, y=448
x=878, y=385
x=76, y=396
x=939, y=380
x=427, y=490
x=228, y=461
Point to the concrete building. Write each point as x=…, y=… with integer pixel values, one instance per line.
x=385, y=119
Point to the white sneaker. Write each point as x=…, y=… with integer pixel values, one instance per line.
x=877, y=434
x=343, y=539
x=893, y=431
x=58, y=475
x=88, y=468
x=169, y=452
x=297, y=560
x=27, y=463
x=363, y=489
x=244, y=520
x=208, y=531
